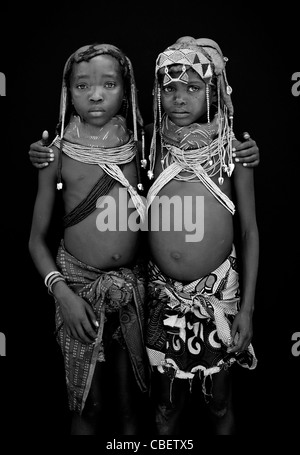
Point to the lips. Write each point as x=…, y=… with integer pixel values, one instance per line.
x=180, y=113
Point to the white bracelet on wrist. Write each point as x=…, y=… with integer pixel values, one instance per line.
x=51, y=278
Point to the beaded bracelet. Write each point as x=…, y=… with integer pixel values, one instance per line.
x=52, y=278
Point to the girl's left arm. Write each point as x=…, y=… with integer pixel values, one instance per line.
x=245, y=203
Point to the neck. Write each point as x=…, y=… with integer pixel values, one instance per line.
x=113, y=133
x=195, y=135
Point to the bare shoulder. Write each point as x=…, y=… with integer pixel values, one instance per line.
x=49, y=173
x=55, y=150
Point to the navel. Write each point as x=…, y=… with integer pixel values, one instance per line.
x=175, y=255
x=116, y=257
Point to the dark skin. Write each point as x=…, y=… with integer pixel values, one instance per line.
x=104, y=250
x=175, y=254
x=84, y=328
x=185, y=261
x=96, y=83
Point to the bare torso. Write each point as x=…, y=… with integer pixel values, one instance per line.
x=107, y=249
x=184, y=247
x=180, y=254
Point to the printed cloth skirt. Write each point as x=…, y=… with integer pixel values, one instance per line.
x=118, y=296
x=188, y=327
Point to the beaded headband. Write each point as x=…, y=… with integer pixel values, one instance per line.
x=193, y=58
x=183, y=77
x=204, y=56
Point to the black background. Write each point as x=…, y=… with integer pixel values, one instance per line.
x=263, y=52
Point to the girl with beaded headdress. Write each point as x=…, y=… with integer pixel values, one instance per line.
x=97, y=280
x=199, y=320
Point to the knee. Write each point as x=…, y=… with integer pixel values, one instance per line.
x=164, y=411
x=218, y=407
x=166, y=419
x=92, y=410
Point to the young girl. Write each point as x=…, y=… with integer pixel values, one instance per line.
x=97, y=279
x=199, y=323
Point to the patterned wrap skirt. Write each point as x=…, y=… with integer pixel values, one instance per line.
x=188, y=327
x=117, y=295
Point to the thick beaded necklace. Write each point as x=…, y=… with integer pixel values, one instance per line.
x=192, y=146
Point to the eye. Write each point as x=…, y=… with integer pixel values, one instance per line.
x=110, y=85
x=167, y=89
x=81, y=86
x=193, y=88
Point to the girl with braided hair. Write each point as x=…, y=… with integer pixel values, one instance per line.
x=97, y=279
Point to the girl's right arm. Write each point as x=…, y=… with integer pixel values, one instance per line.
x=78, y=316
x=41, y=219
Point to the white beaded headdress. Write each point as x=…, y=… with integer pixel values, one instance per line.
x=205, y=57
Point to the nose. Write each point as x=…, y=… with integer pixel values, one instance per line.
x=96, y=94
x=179, y=99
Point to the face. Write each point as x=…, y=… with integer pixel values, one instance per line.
x=97, y=89
x=184, y=103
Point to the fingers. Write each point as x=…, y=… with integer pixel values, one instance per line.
x=40, y=159
x=86, y=329
x=235, y=349
x=80, y=335
x=82, y=332
x=45, y=137
x=86, y=334
x=243, y=157
x=247, y=163
x=39, y=147
x=235, y=338
x=91, y=316
x=240, y=343
x=91, y=325
x=246, y=136
x=89, y=332
x=247, y=153
x=40, y=155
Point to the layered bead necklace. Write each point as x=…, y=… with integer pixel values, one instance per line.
x=184, y=162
